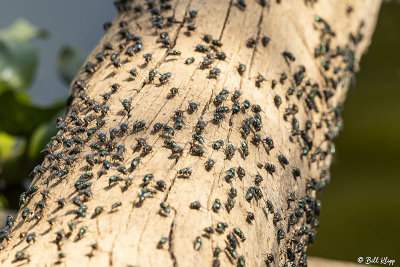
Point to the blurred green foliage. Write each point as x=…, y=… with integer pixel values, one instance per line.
x=19, y=59
x=360, y=215
x=25, y=128
x=69, y=60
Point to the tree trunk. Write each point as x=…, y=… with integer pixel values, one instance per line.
x=294, y=83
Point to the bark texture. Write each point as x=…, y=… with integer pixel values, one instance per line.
x=311, y=86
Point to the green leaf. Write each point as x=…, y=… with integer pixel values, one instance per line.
x=69, y=61
x=3, y=202
x=19, y=117
x=16, y=169
x=21, y=30
x=16, y=166
x=6, y=144
x=18, y=63
x=18, y=58
x=41, y=136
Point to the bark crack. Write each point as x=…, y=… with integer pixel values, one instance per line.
x=111, y=253
x=175, y=38
x=226, y=18
x=97, y=226
x=129, y=217
x=169, y=188
x=178, y=31
x=170, y=240
x=257, y=40
x=183, y=101
x=142, y=232
x=138, y=25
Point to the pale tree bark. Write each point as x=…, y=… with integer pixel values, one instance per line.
x=130, y=234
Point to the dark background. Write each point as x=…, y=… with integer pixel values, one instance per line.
x=361, y=206
x=74, y=22
x=360, y=214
